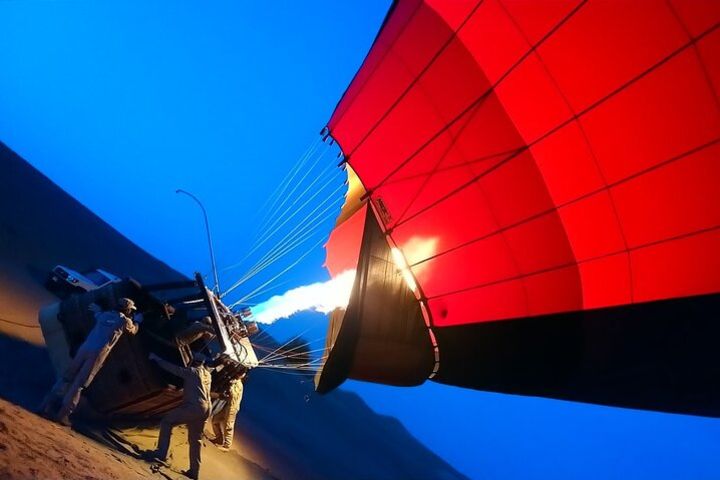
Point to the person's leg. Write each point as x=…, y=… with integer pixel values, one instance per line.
x=195, y=429
x=86, y=362
x=229, y=429
x=170, y=420
x=97, y=364
x=60, y=387
x=72, y=370
x=216, y=422
x=49, y=402
x=233, y=408
x=92, y=362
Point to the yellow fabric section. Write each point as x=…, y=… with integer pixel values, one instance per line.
x=352, y=199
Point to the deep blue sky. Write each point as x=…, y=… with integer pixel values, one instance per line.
x=121, y=103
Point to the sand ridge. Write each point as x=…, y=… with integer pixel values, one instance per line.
x=32, y=447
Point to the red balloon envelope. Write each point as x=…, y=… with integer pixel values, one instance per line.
x=544, y=176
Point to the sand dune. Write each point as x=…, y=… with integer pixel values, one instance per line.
x=285, y=430
x=31, y=447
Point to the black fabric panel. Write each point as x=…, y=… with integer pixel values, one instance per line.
x=342, y=336
x=383, y=337
x=661, y=356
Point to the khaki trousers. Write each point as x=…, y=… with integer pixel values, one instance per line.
x=223, y=422
x=194, y=417
x=77, y=377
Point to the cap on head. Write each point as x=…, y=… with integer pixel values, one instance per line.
x=125, y=304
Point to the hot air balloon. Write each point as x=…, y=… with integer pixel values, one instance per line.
x=534, y=202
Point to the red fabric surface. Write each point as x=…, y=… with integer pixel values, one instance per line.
x=343, y=247
x=543, y=156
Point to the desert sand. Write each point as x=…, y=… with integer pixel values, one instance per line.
x=31, y=447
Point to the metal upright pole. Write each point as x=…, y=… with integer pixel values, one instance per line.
x=209, y=237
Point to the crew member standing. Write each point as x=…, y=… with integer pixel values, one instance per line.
x=223, y=422
x=90, y=357
x=193, y=412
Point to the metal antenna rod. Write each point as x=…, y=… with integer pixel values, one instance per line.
x=210, y=244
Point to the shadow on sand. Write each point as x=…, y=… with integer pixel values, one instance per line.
x=25, y=372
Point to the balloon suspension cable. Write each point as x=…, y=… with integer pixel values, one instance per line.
x=309, y=251
x=329, y=199
x=327, y=175
x=239, y=282
x=296, y=362
x=282, y=219
x=299, y=230
x=286, y=343
x=267, y=263
x=294, y=374
x=303, y=345
x=286, y=353
x=258, y=268
x=261, y=337
x=301, y=355
x=280, y=189
x=286, y=195
x=269, y=235
x=270, y=257
x=287, y=269
x=262, y=292
x=302, y=227
x=296, y=198
x=287, y=180
x=311, y=366
x=295, y=366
